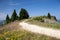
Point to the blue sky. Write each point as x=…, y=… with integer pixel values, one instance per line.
x=34, y=7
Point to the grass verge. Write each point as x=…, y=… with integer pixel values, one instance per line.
x=43, y=24
x=23, y=35
x=14, y=32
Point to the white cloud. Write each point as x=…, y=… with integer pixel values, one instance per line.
x=2, y=16
x=14, y=4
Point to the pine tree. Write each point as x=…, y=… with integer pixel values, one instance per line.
x=14, y=16
x=7, y=19
x=23, y=14
x=55, y=18
x=49, y=16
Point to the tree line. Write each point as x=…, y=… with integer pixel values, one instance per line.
x=23, y=14
x=49, y=16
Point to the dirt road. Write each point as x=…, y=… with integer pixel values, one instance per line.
x=40, y=30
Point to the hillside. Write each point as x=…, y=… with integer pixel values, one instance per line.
x=29, y=20
x=13, y=31
x=44, y=21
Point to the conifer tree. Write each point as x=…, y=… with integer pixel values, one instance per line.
x=23, y=14
x=55, y=18
x=7, y=19
x=49, y=16
x=14, y=16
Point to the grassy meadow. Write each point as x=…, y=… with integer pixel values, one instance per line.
x=39, y=21
x=13, y=31
x=23, y=35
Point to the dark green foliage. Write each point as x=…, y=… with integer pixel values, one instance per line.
x=49, y=16
x=7, y=19
x=14, y=16
x=42, y=20
x=23, y=14
x=39, y=18
x=55, y=18
x=45, y=16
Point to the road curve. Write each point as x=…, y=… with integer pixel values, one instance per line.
x=41, y=30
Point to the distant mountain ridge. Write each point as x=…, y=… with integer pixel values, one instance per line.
x=2, y=22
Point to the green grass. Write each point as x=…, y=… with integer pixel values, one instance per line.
x=44, y=24
x=8, y=33
x=23, y=35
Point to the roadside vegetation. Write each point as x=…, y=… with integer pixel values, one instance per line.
x=48, y=25
x=23, y=35
x=45, y=21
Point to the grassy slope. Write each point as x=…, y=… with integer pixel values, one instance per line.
x=14, y=32
x=55, y=25
x=36, y=21
x=23, y=35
